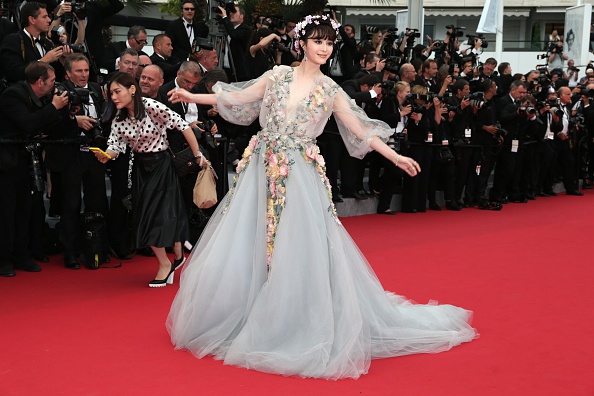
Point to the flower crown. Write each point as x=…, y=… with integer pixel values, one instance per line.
x=311, y=19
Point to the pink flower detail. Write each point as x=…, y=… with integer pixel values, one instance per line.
x=310, y=152
x=320, y=160
x=272, y=188
x=284, y=170
x=272, y=160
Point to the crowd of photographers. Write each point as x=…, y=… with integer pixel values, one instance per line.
x=459, y=116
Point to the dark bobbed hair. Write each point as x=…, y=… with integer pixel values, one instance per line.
x=126, y=81
x=323, y=31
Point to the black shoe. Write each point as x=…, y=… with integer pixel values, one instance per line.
x=42, y=258
x=531, y=196
x=587, y=184
x=71, y=262
x=452, y=205
x=461, y=204
x=360, y=197
x=122, y=253
x=434, y=206
x=337, y=199
x=387, y=212
x=27, y=265
x=519, y=200
x=469, y=203
x=7, y=270
x=543, y=194
x=178, y=262
x=490, y=206
x=146, y=251
x=575, y=192
x=504, y=200
x=163, y=282
x=551, y=193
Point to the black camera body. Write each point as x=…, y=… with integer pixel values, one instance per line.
x=55, y=37
x=473, y=38
x=276, y=45
x=207, y=134
x=393, y=64
x=228, y=5
x=76, y=96
x=456, y=30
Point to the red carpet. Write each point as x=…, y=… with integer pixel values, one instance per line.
x=526, y=272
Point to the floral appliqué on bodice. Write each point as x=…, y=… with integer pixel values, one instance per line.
x=286, y=131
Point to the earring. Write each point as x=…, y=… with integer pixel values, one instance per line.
x=304, y=56
x=133, y=93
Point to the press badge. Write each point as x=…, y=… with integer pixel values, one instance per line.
x=478, y=170
x=429, y=138
x=550, y=135
x=445, y=142
x=515, y=144
x=468, y=133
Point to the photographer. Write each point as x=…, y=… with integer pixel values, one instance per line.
x=556, y=58
x=28, y=110
x=571, y=74
x=162, y=47
x=461, y=126
x=77, y=164
x=238, y=36
x=137, y=39
x=58, y=29
x=263, y=55
x=349, y=57
x=421, y=127
x=487, y=136
x=588, y=97
x=427, y=79
x=30, y=44
x=512, y=120
x=562, y=139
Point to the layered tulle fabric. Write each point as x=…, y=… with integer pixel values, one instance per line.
x=276, y=284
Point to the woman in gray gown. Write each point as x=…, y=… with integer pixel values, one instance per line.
x=276, y=283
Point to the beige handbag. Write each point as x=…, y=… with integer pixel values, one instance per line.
x=205, y=189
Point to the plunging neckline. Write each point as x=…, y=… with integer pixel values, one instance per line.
x=304, y=99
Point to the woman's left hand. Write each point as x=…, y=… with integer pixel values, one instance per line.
x=410, y=166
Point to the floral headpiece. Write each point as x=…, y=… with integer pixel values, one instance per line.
x=311, y=19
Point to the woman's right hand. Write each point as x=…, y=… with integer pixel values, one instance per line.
x=410, y=166
x=177, y=95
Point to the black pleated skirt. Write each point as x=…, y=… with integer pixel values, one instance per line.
x=159, y=215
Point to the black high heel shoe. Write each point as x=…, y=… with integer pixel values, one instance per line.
x=163, y=282
x=178, y=262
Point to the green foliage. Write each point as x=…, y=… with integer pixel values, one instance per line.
x=140, y=6
x=536, y=44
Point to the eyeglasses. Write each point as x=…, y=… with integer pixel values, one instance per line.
x=143, y=42
x=188, y=9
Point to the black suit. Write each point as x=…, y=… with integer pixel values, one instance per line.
x=18, y=50
x=24, y=115
x=238, y=46
x=178, y=33
x=113, y=52
x=78, y=168
x=169, y=66
x=348, y=55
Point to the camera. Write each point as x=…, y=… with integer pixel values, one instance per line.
x=97, y=135
x=456, y=30
x=476, y=99
x=393, y=64
x=578, y=121
x=55, y=36
x=276, y=45
x=575, y=69
x=276, y=22
x=76, y=97
x=388, y=89
x=554, y=48
x=473, y=38
x=557, y=111
x=207, y=134
x=524, y=110
x=228, y=5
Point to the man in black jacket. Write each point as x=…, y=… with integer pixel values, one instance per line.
x=137, y=39
x=238, y=35
x=163, y=48
x=78, y=166
x=183, y=31
x=512, y=122
x=29, y=44
x=28, y=110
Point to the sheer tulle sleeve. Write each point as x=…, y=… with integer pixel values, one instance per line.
x=356, y=128
x=240, y=103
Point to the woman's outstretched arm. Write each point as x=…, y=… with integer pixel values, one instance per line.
x=177, y=95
